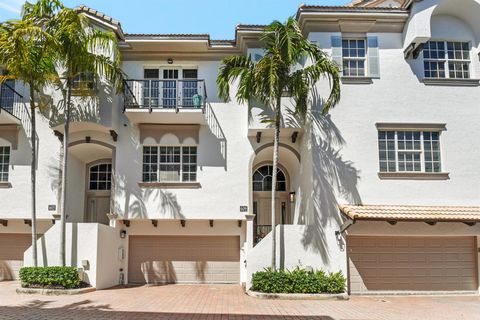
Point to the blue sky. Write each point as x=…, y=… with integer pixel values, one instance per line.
x=216, y=17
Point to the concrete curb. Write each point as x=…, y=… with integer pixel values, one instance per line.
x=54, y=292
x=298, y=296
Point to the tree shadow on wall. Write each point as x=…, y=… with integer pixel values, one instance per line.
x=136, y=199
x=141, y=202
x=333, y=178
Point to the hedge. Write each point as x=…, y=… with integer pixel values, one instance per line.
x=298, y=281
x=50, y=277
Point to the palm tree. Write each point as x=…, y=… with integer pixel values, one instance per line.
x=277, y=72
x=81, y=49
x=25, y=51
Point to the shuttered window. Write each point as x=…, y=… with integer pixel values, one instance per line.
x=356, y=57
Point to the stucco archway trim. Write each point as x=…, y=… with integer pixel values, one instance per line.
x=281, y=145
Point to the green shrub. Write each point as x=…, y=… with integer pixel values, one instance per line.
x=53, y=277
x=298, y=281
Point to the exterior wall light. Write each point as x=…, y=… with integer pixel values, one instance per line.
x=292, y=197
x=123, y=234
x=169, y=60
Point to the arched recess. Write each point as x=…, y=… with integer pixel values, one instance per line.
x=260, y=200
x=85, y=204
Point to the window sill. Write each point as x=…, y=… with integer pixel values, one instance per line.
x=5, y=185
x=84, y=92
x=357, y=80
x=451, y=82
x=170, y=185
x=414, y=175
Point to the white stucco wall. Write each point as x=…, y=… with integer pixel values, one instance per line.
x=293, y=250
x=399, y=97
x=90, y=242
x=16, y=200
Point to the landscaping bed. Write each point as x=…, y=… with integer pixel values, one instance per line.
x=298, y=284
x=52, y=280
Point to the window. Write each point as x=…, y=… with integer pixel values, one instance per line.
x=409, y=151
x=4, y=163
x=169, y=164
x=262, y=179
x=100, y=177
x=354, y=57
x=151, y=73
x=84, y=81
x=446, y=59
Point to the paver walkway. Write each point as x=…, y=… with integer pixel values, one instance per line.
x=224, y=302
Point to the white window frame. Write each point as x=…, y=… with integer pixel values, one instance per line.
x=108, y=179
x=446, y=60
x=180, y=164
x=364, y=58
x=3, y=163
x=421, y=151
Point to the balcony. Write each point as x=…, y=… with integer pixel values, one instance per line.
x=165, y=101
x=14, y=113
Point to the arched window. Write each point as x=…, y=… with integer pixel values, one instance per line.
x=262, y=179
x=100, y=177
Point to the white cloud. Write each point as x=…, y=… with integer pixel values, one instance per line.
x=13, y=6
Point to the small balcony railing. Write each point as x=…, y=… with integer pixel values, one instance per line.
x=261, y=230
x=14, y=103
x=165, y=94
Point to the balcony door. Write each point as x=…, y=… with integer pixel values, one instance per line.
x=7, y=95
x=169, y=88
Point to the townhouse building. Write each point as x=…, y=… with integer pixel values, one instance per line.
x=169, y=183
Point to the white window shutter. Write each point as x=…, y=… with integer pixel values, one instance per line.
x=373, y=63
x=337, y=51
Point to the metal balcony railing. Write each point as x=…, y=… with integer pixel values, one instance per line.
x=261, y=230
x=13, y=102
x=165, y=94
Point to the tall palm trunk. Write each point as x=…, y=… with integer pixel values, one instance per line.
x=33, y=176
x=64, y=172
x=276, y=139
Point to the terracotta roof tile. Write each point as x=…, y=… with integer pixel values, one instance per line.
x=98, y=14
x=171, y=35
x=412, y=213
x=349, y=8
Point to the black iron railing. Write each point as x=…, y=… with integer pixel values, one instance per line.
x=14, y=103
x=165, y=94
x=261, y=230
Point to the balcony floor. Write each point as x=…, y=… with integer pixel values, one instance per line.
x=159, y=115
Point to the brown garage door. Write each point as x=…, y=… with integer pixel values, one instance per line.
x=12, y=247
x=191, y=259
x=412, y=263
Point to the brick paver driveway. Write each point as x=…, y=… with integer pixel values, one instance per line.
x=224, y=302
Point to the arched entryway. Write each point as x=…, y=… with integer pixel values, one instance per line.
x=90, y=181
x=262, y=199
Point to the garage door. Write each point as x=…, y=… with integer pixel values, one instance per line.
x=190, y=259
x=412, y=263
x=12, y=247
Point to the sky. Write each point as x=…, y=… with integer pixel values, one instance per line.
x=215, y=17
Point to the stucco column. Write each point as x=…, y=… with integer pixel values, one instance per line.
x=249, y=218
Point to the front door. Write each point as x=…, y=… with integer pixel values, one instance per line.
x=262, y=205
x=98, y=192
x=98, y=208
